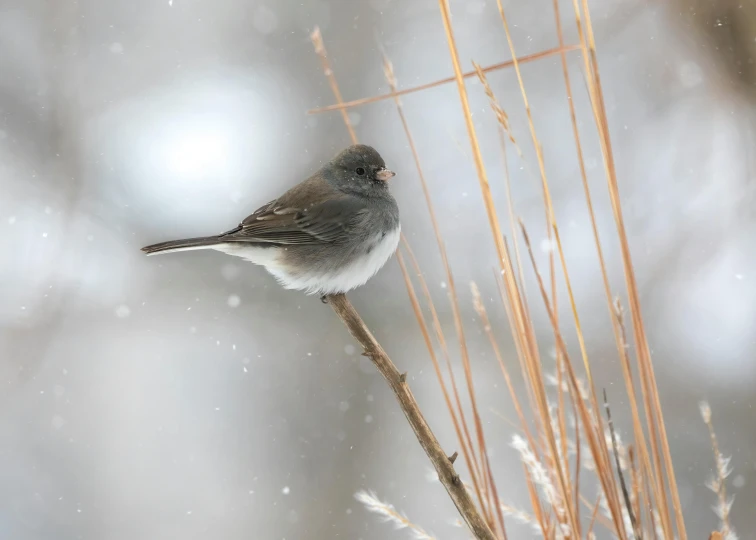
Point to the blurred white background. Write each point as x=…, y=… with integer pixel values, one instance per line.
x=188, y=396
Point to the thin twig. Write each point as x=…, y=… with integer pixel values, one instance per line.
x=398, y=384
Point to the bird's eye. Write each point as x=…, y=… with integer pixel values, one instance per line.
x=360, y=171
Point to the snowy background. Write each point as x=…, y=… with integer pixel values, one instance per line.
x=190, y=397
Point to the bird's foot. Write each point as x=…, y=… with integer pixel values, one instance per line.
x=324, y=298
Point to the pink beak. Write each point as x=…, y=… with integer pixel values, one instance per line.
x=384, y=174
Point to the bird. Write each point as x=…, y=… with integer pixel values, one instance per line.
x=327, y=235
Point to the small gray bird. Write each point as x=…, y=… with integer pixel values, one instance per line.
x=327, y=235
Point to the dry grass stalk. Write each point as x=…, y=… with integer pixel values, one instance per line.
x=481, y=311
x=620, y=474
x=524, y=328
x=551, y=219
x=561, y=408
x=718, y=482
x=479, y=466
x=617, y=327
x=456, y=412
x=655, y=421
x=371, y=501
x=655, y=471
x=504, y=125
x=339, y=106
x=533, y=363
x=522, y=517
x=603, y=469
x=320, y=50
x=607, y=479
x=510, y=208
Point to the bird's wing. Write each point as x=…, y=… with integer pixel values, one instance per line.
x=289, y=220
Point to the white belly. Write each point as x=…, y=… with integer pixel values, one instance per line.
x=343, y=279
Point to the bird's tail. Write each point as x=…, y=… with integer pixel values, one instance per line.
x=204, y=242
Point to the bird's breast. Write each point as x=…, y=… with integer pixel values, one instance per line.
x=348, y=273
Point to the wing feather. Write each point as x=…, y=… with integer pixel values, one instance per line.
x=307, y=214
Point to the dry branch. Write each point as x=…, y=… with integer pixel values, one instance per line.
x=398, y=384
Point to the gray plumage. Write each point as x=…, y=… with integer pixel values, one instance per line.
x=326, y=235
